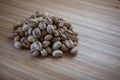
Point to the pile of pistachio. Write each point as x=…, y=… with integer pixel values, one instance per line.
x=45, y=35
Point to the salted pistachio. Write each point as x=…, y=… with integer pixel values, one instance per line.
x=36, y=32
x=20, y=33
x=43, y=33
x=56, y=39
x=67, y=24
x=60, y=23
x=48, y=20
x=70, y=32
x=30, y=30
x=38, y=14
x=64, y=47
x=45, y=43
x=57, y=53
x=26, y=33
x=25, y=27
x=69, y=43
x=63, y=36
x=16, y=25
x=56, y=45
x=50, y=29
x=49, y=50
x=12, y=34
x=37, y=45
x=26, y=44
x=42, y=25
x=34, y=53
x=31, y=38
x=17, y=38
x=55, y=33
x=62, y=30
x=34, y=20
x=54, y=19
x=18, y=44
x=43, y=52
x=22, y=39
x=48, y=37
x=74, y=50
x=65, y=28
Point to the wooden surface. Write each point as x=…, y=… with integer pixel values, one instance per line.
x=98, y=25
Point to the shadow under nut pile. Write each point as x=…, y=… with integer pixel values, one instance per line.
x=45, y=35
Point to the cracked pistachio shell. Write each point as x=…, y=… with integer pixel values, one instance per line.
x=36, y=33
x=57, y=53
x=50, y=29
x=43, y=53
x=69, y=43
x=18, y=44
x=64, y=48
x=74, y=50
x=26, y=44
x=49, y=50
x=34, y=53
x=31, y=38
x=42, y=25
x=17, y=38
x=37, y=45
x=56, y=45
x=48, y=37
x=45, y=43
x=48, y=20
x=25, y=27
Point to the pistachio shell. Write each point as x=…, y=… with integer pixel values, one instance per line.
x=42, y=25
x=50, y=29
x=45, y=43
x=18, y=44
x=48, y=20
x=20, y=33
x=34, y=53
x=49, y=50
x=74, y=50
x=30, y=30
x=56, y=45
x=69, y=43
x=64, y=48
x=56, y=39
x=25, y=27
x=36, y=33
x=48, y=37
x=57, y=53
x=38, y=45
x=31, y=38
x=55, y=33
x=17, y=38
x=43, y=52
x=26, y=44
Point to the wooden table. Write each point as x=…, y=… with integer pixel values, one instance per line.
x=98, y=25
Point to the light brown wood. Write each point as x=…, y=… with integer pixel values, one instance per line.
x=98, y=25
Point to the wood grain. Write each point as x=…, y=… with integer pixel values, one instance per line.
x=98, y=25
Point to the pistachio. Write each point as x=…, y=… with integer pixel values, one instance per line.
x=38, y=45
x=56, y=39
x=11, y=35
x=26, y=33
x=65, y=28
x=22, y=39
x=40, y=19
x=35, y=20
x=56, y=45
x=57, y=53
x=67, y=24
x=74, y=50
x=55, y=33
x=26, y=44
x=18, y=44
x=36, y=32
x=69, y=43
x=49, y=50
x=38, y=14
x=48, y=37
x=48, y=20
x=64, y=48
x=50, y=29
x=45, y=43
x=42, y=25
x=63, y=37
x=20, y=33
x=43, y=33
x=60, y=23
x=25, y=27
x=34, y=52
x=30, y=30
x=32, y=46
x=31, y=38
x=17, y=38
x=43, y=52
